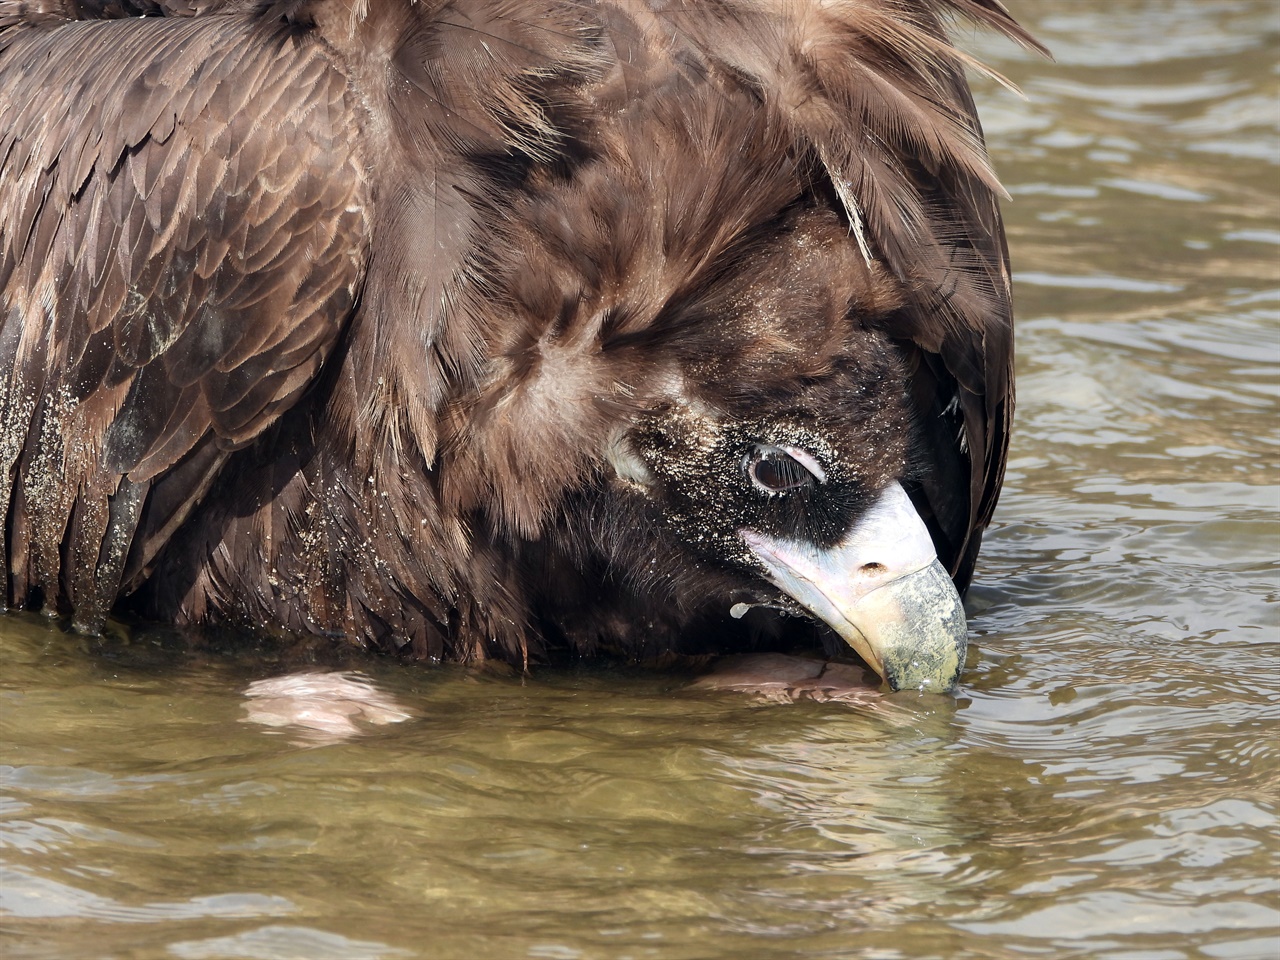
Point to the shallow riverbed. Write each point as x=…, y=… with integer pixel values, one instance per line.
x=1105, y=785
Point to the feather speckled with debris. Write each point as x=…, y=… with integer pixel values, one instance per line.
x=322, y=315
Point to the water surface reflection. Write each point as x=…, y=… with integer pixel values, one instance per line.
x=1105, y=786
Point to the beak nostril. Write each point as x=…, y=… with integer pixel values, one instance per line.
x=873, y=569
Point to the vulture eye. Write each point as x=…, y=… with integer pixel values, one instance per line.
x=777, y=470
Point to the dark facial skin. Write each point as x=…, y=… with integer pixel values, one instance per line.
x=669, y=548
x=853, y=432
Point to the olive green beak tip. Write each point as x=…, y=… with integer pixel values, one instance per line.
x=924, y=646
x=882, y=589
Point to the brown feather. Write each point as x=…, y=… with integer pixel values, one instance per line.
x=196, y=321
x=333, y=317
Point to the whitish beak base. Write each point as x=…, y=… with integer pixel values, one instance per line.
x=882, y=590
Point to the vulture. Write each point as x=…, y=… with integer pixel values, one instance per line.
x=503, y=329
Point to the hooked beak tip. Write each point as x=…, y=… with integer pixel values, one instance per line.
x=917, y=630
x=882, y=590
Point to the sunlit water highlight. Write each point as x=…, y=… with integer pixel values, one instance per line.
x=1105, y=786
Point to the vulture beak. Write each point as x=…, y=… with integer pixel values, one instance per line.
x=882, y=589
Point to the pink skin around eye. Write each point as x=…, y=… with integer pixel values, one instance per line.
x=806, y=460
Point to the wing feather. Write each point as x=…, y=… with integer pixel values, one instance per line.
x=182, y=235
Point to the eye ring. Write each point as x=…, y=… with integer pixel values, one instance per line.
x=779, y=470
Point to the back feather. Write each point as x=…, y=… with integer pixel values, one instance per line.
x=260, y=259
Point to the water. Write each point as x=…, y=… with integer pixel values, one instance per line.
x=1105, y=786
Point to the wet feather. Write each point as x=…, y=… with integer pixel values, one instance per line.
x=333, y=317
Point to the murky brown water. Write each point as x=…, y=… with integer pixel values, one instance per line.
x=1105, y=786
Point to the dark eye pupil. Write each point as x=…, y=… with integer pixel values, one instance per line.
x=778, y=473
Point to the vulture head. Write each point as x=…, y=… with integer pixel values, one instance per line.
x=743, y=427
x=479, y=330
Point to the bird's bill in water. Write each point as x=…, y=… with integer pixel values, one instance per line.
x=882, y=590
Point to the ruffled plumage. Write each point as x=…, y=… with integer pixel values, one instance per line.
x=329, y=316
